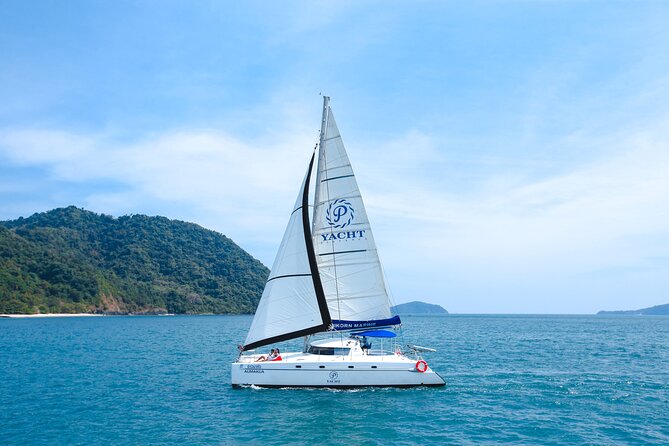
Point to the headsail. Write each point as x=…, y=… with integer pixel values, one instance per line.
x=292, y=303
x=347, y=258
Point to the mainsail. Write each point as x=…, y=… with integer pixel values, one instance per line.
x=292, y=303
x=347, y=258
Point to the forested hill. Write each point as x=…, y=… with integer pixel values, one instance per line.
x=417, y=307
x=71, y=260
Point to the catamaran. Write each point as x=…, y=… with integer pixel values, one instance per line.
x=327, y=285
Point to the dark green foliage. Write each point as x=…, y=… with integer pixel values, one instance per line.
x=71, y=260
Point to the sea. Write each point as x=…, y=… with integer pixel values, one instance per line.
x=166, y=380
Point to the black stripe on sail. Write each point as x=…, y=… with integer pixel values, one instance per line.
x=313, y=265
x=341, y=252
x=336, y=178
x=288, y=275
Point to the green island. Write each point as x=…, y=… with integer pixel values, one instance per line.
x=70, y=260
x=656, y=310
x=417, y=307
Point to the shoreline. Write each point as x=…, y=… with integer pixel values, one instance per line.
x=23, y=316
x=48, y=315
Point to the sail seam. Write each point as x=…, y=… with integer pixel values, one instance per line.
x=342, y=252
x=336, y=178
x=288, y=275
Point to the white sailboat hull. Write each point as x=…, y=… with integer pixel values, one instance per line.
x=298, y=370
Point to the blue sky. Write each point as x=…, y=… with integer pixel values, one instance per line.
x=514, y=156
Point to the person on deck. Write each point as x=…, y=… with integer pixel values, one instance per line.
x=270, y=357
x=365, y=345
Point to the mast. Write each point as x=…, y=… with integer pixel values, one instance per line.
x=320, y=171
x=324, y=121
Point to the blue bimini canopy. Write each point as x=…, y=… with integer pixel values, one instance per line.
x=376, y=334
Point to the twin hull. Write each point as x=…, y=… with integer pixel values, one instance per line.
x=332, y=374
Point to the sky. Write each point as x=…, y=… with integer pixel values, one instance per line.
x=513, y=155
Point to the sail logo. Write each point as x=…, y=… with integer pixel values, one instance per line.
x=339, y=214
x=343, y=235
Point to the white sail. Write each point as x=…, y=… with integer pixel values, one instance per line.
x=346, y=254
x=289, y=304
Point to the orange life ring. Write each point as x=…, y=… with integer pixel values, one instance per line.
x=421, y=366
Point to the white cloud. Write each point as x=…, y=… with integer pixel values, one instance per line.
x=528, y=241
x=238, y=185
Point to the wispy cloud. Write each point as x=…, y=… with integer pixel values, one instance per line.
x=235, y=186
x=606, y=214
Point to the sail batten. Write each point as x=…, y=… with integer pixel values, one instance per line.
x=286, y=276
x=341, y=252
x=336, y=178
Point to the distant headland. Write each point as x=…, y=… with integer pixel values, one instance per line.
x=656, y=310
x=417, y=307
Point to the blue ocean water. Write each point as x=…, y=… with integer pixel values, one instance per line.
x=166, y=380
